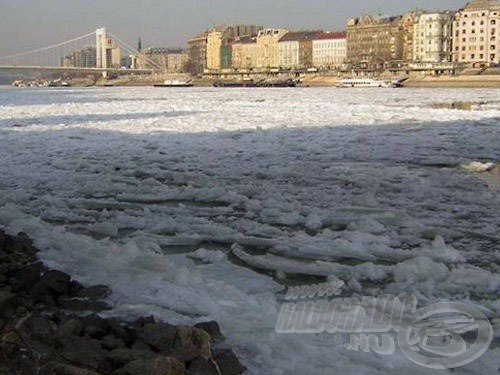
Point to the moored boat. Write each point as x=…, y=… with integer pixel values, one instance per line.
x=242, y=83
x=174, y=83
x=369, y=82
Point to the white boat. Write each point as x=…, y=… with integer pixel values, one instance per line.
x=369, y=82
x=174, y=83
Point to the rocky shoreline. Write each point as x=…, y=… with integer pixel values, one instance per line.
x=50, y=324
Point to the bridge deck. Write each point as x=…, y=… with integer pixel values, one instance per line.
x=73, y=69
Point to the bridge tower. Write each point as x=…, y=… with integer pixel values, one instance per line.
x=100, y=46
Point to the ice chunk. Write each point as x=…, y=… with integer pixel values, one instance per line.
x=207, y=256
x=420, y=269
x=478, y=167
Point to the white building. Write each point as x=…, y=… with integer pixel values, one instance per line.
x=329, y=50
x=295, y=49
x=108, y=53
x=476, y=36
x=432, y=37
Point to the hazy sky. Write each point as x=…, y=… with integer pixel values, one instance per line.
x=29, y=24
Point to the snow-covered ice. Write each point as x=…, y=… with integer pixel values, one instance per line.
x=204, y=203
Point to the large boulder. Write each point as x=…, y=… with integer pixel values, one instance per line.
x=227, y=362
x=83, y=351
x=154, y=366
x=202, y=366
x=24, y=278
x=56, y=283
x=121, y=356
x=190, y=343
x=94, y=292
x=159, y=336
x=82, y=304
x=212, y=328
x=40, y=328
x=64, y=369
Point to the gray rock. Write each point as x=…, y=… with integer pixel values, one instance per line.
x=190, y=343
x=122, y=356
x=40, y=328
x=71, y=327
x=227, y=362
x=26, y=277
x=155, y=366
x=94, y=292
x=111, y=342
x=83, y=351
x=54, y=282
x=80, y=304
x=212, y=328
x=63, y=369
x=143, y=320
x=95, y=326
x=120, y=330
x=8, y=304
x=11, y=246
x=2, y=239
x=159, y=336
x=202, y=366
x=140, y=345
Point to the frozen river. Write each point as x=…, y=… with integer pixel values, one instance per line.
x=203, y=203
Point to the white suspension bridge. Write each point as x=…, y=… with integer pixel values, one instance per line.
x=49, y=58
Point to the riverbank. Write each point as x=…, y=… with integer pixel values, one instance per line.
x=316, y=80
x=51, y=324
x=465, y=81
x=460, y=81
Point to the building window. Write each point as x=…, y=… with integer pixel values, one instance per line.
x=472, y=57
x=493, y=22
x=492, y=57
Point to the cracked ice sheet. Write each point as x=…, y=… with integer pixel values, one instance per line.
x=333, y=175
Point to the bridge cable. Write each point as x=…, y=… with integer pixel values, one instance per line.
x=46, y=48
x=132, y=50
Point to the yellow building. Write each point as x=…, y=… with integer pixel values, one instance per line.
x=268, y=49
x=214, y=46
x=244, y=53
x=374, y=41
x=219, y=41
x=197, y=53
x=296, y=49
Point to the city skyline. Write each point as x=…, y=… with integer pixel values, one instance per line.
x=29, y=25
